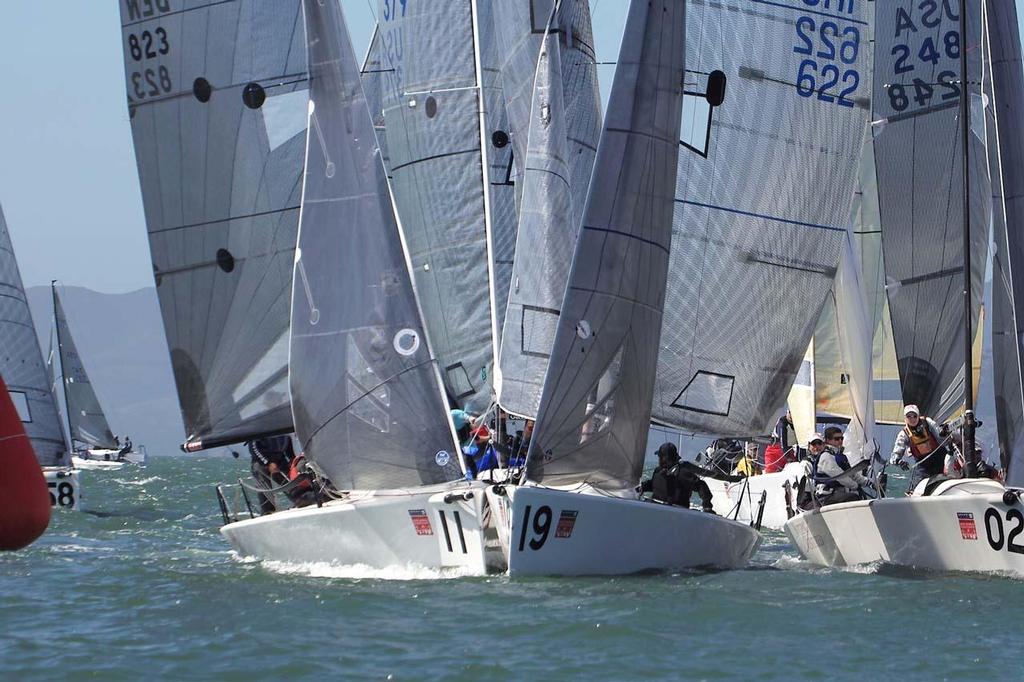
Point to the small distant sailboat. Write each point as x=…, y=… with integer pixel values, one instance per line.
x=93, y=444
x=23, y=370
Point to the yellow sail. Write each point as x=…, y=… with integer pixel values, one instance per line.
x=801, y=398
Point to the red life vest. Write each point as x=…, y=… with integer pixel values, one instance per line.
x=293, y=473
x=921, y=444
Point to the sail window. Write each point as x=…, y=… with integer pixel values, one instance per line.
x=695, y=130
x=457, y=377
x=707, y=393
x=202, y=89
x=20, y=401
x=225, y=261
x=538, y=331
x=499, y=138
x=431, y=107
x=254, y=95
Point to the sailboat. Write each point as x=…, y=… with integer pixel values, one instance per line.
x=23, y=370
x=964, y=524
x=577, y=511
x=86, y=424
x=369, y=404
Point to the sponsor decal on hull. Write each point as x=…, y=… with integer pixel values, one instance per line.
x=421, y=522
x=566, y=522
x=968, y=529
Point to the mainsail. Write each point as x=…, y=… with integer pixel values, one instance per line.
x=918, y=160
x=595, y=409
x=217, y=96
x=432, y=104
x=368, y=402
x=763, y=201
x=21, y=363
x=546, y=239
x=1007, y=73
x=86, y=420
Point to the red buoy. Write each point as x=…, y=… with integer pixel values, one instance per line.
x=24, y=500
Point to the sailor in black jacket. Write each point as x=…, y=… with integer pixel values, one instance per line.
x=673, y=483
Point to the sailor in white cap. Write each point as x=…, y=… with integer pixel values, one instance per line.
x=917, y=446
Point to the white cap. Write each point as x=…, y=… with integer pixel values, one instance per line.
x=815, y=437
x=911, y=409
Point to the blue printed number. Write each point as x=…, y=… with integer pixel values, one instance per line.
x=830, y=74
x=391, y=8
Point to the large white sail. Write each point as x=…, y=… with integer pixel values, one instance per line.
x=432, y=104
x=86, y=420
x=1007, y=72
x=21, y=363
x=595, y=409
x=918, y=160
x=369, y=407
x=763, y=199
x=546, y=239
x=217, y=99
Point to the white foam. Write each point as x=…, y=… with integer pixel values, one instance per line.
x=144, y=481
x=364, y=572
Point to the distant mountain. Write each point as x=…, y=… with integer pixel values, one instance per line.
x=121, y=340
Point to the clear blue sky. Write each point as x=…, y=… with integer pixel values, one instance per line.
x=68, y=184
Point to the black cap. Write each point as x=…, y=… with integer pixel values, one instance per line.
x=668, y=450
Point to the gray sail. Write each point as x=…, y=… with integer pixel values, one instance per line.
x=21, y=363
x=763, y=198
x=595, y=409
x=86, y=420
x=368, y=403
x=432, y=112
x=521, y=26
x=1008, y=259
x=546, y=239
x=372, y=76
x=217, y=96
x=918, y=160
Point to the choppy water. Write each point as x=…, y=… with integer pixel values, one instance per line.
x=147, y=588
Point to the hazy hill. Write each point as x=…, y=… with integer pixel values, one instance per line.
x=121, y=340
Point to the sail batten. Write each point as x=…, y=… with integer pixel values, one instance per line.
x=368, y=403
x=217, y=99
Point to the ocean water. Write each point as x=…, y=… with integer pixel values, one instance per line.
x=144, y=587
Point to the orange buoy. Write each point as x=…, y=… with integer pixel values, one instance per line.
x=24, y=499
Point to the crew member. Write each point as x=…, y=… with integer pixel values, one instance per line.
x=919, y=442
x=673, y=483
x=271, y=461
x=831, y=464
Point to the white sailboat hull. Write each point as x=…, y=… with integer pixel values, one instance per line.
x=963, y=526
x=740, y=501
x=104, y=459
x=436, y=527
x=64, y=487
x=555, y=532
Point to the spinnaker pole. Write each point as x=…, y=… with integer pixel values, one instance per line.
x=965, y=129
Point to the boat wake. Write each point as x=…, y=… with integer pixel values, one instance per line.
x=363, y=571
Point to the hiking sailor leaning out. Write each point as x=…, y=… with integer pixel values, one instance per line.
x=918, y=447
x=833, y=479
x=673, y=482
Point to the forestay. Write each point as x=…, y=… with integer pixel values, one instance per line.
x=368, y=402
x=546, y=239
x=432, y=113
x=918, y=159
x=217, y=99
x=595, y=409
x=85, y=415
x=1007, y=74
x=21, y=363
x=763, y=200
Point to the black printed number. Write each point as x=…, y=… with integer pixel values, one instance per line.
x=61, y=494
x=994, y=532
x=151, y=82
x=540, y=526
x=148, y=44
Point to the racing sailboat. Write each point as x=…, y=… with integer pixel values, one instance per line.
x=87, y=426
x=966, y=524
x=23, y=370
x=577, y=511
x=368, y=401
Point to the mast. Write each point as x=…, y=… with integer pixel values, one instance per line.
x=965, y=129
x=63, y=379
